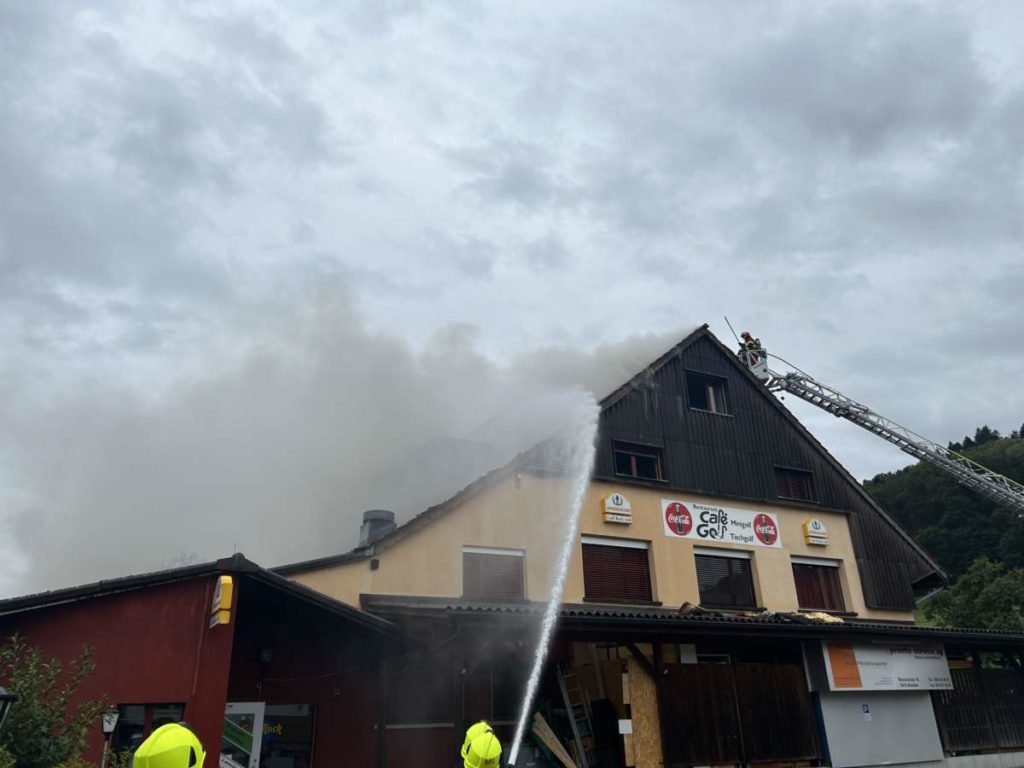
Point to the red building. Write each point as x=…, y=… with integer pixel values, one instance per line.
x=291, y=665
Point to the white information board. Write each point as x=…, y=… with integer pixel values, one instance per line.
x=876, y=667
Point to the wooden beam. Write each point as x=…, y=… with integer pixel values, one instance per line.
x=646, y=664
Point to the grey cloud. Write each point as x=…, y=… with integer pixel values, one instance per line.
x=548, y=252
x=470, y=256
x=861, y=78
x=511, y=171
x=182, y=203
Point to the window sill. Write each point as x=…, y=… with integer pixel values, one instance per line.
x=713, y=413
x=486, y=599
x=642, y=479
x=802, y=502
x=614, y=601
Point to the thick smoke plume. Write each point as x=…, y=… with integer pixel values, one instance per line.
x=277, y=451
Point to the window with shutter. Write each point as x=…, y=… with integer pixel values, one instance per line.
x=724, y=581
x=492, y=574
x=818, y=586
x=795, y=484
x=615, y=569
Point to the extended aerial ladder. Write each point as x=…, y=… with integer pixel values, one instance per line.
x=970, y=473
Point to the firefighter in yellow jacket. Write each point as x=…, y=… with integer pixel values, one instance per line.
x=481, y=748
x=170, y=746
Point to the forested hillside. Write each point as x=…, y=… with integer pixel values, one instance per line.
x=954, y=524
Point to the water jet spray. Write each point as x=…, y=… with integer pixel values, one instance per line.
x=581, y=464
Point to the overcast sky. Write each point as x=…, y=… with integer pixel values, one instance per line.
x=253, y=253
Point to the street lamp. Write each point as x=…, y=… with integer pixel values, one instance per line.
x=6, y=702
x=110, y=717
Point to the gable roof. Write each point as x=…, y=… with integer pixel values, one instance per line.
x=237, y=564
x=522, y=462
x=832, y=461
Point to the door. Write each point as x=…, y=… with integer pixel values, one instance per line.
x=242, y=735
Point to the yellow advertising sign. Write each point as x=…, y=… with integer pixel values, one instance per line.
x=220, y=609
x=815, y=532
x=617, y=509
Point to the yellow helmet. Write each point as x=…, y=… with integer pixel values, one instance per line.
x=170, y=746
x=476, y=729
x=484, y=752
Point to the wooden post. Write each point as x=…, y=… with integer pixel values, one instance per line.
x=382, y=722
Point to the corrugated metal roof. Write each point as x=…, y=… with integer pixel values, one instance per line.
x=236, y=564
x=577, y=614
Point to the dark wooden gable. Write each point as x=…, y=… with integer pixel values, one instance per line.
x=736, y=455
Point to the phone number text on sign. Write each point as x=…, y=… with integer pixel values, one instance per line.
x=691, y=520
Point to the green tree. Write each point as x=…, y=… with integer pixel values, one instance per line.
x=954, y=524
x=43, y=729
x=987, y=596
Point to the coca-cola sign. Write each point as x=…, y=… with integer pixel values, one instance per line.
x=693, y=520
x=678, y=519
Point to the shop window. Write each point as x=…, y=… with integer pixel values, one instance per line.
x=136, y=721
x=616, y=569
x=707, y=393
x=642, y=461
x=724, y=579
x=492, y=574
x=288, y=735
x=795, y=484
x=817, y=584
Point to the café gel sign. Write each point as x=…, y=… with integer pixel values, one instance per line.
x=727, y=525
x=616, y=509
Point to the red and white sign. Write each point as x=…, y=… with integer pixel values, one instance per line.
x=727, y=525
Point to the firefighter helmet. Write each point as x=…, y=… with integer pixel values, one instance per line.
x=170, y=746
x=484, y=751
x=476, y=729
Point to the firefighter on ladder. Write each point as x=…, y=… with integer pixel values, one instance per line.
x=481, y=748
x=750, y=349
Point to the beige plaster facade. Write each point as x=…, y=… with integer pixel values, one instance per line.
x=527, y=513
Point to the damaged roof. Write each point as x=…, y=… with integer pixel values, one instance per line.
x=688, y=620
x=931, y=573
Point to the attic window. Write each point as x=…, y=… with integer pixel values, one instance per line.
x=707, y=393
x=633, y=460
x=795, y=484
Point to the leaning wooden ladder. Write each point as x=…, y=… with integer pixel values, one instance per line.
x=578, y=706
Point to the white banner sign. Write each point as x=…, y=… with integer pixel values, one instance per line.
x=869, y=667
x=726, y=525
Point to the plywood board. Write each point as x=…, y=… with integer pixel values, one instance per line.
x=548, y=738
x=643, y=697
